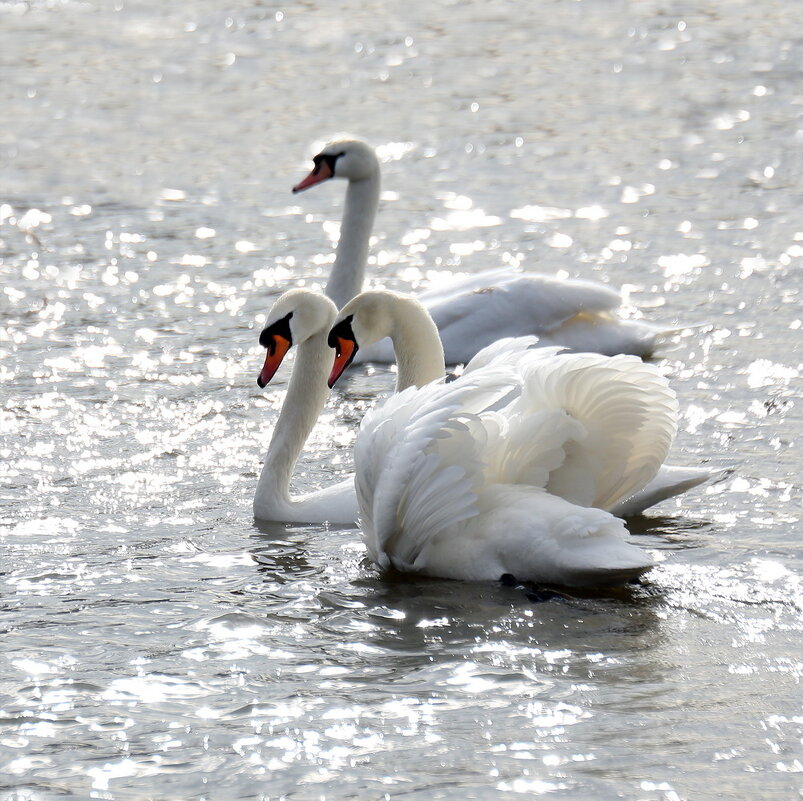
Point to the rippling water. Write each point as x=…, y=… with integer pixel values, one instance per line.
x=157, y=643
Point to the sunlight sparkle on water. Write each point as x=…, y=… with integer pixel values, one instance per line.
x=156, y=635
x=540, y=213
x=464, y=220
x=764, y=373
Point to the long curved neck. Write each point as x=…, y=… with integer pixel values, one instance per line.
x=306, y=396
x=345, y=280
x=417, y=345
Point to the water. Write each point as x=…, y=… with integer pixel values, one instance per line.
x=157, y=642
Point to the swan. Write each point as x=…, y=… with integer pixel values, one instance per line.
x=511, y=469
x=476, y=311
x=301, y=318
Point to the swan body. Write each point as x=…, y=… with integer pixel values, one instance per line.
x=515, y=466
x=301, y=318
x=472, y=313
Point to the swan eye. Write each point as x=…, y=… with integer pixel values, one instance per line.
x=329, y=159
x=341, y=331
x=279, y=328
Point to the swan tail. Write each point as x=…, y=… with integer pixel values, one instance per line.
x=593, y=550
x=670, y=481
x=666, y=339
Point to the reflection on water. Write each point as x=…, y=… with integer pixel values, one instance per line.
x=154, y=635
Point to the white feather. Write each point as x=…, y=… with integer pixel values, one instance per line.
x=473, y=312
x=451, y=484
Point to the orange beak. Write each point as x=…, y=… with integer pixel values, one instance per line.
x=321, y=172
x=345, y=350
x=276, y=352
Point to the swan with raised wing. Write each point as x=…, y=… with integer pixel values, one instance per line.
x=476, y=311
x=510, y=468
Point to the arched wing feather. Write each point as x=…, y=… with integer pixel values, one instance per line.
x=417, y=464
x=628, y=413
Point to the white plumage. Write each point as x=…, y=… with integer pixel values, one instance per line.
x=473, y=312
x=514, y=466
x=302, y=319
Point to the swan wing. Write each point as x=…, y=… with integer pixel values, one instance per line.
x=493, y=305
x=506, y=349
x=620, y=419
x=418, y=466
x=527, y=447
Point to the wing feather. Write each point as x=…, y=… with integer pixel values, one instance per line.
x=586, y=429
x=417, y=464
x=497, y=304
x=629, y=414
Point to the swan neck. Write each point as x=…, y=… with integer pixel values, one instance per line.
x=345, y=280
x=306, y=397
x=417, y=345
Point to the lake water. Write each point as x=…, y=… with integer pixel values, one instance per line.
x=157, y=643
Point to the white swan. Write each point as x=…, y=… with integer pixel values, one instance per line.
x=474, y=312
x=301, y=318
x=510, y=468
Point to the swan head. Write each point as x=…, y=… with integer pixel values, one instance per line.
x=351, y=159
x=295, y=317
x=362, y=321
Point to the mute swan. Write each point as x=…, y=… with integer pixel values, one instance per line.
x=474, y=312
x=301, y=318
x=510, y=468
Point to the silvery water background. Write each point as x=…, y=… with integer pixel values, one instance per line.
x=157, y=643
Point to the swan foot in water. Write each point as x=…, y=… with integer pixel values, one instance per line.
x=537, y=596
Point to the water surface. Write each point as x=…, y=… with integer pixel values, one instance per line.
x=156, y=641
